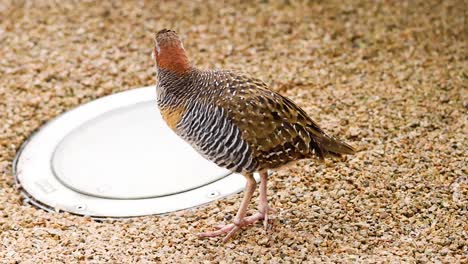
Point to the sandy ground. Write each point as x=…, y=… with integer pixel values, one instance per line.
x=390, y=77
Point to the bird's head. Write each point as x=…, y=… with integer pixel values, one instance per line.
x=169, y=52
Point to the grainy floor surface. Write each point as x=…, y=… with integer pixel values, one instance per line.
x=390, y=77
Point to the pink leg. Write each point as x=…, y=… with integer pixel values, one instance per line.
x=240, y=219
x=263, y=206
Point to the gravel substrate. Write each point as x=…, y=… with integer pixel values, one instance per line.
x=389, y=77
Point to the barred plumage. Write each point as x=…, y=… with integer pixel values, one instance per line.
x=234, y=120
x=269, y=129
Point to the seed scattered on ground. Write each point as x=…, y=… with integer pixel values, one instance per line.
x=390, y=77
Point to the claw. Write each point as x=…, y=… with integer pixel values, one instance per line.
x=266, y=217
x=221, y=230
x=265, y=221
x=231, y=233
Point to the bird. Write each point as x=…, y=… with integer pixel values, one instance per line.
x=237, y=122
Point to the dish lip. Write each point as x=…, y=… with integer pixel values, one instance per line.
x=20, y=149
x=27, y=196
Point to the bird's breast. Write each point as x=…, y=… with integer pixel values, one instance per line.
x=172, y=115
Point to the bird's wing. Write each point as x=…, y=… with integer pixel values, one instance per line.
x=277, y=130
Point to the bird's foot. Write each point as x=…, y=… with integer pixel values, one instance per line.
x=232, y=229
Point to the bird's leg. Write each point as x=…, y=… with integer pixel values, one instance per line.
x=240, y=220
x=263, y=208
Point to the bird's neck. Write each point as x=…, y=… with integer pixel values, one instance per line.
x=174, y=59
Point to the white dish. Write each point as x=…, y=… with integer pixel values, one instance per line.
x=115, y=157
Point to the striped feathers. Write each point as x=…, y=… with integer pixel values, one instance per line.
x=238, y=123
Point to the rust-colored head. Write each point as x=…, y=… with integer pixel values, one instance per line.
x=170, y=53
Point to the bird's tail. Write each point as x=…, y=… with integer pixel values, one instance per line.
x=333, y=147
